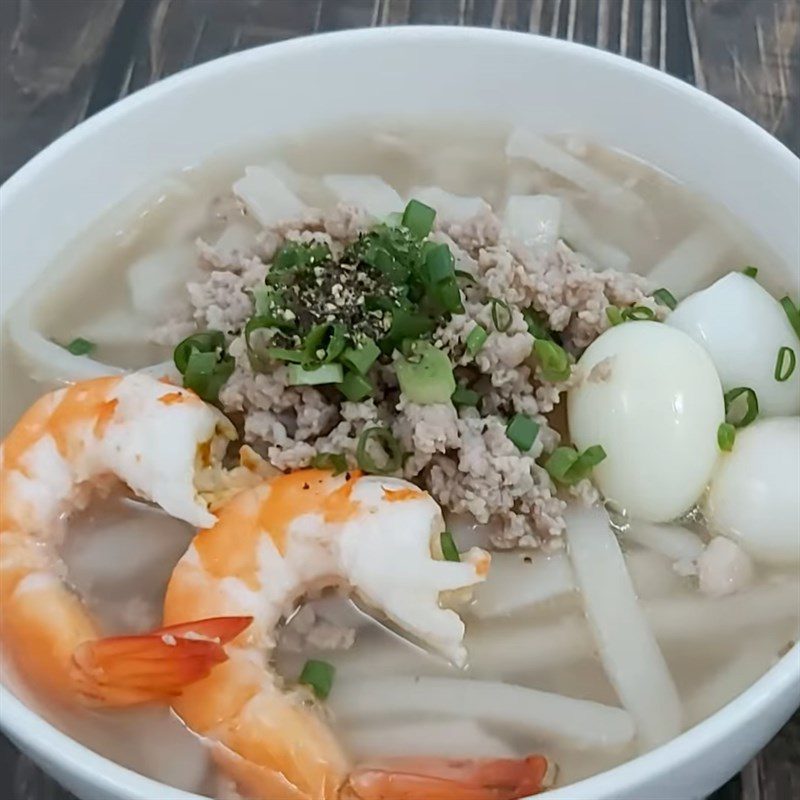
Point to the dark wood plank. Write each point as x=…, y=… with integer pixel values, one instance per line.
x=747, y=53
x=50, y=52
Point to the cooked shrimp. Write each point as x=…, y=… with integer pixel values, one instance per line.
x=159, y=440
x=271, y=546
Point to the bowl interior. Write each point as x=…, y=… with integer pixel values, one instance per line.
x=297, y=86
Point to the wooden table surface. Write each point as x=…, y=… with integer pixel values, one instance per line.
x=63, y=60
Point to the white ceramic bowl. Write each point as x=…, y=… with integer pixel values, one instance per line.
x=295, y=86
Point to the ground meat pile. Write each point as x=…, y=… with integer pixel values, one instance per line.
x=461, y=455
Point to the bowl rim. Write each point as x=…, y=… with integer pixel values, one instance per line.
x=35, y=734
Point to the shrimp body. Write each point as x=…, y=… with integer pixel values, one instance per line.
x=271, y=546
x=153, y=437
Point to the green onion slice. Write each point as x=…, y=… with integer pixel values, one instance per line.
x=390, y=446
x=536, y=327
x=734, y=413
x=614, y=315
x=283, y=354
x=553, y=360
x=751, y=272
x=522, y=430
x=80, y=346
x=726, y=436
x=332, y=461
x=418, y=218
x=355, y=387
x=464, y=275
x=207, y=373
x=205, y=365
x=325, y=373
x=638, y=313
x=785, y=364
x=793, y=313
x=476, y=339
x=449, y=549
x=361, y=358
x=204, y=342
x=319, y=676
x=568, y=466
x=501, y=315
x=323, y=344
x=666, y=298
x=465, y=397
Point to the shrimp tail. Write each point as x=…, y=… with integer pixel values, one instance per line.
x=153, y=667
x=451, y=779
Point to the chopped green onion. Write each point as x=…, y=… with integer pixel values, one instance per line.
x=553, y=360
x=325, y=373
x=464, y=275
x=793, y=313
x=283, y=354
x=408, y=325
x=319, y=676
x=449, y=549
x=638, y=313
x=323, y=344
x=785, y=364
x=560, y=462
x=205, y=365
x=258, y=355
x=726, y=436
x=522, y=430
x=207, y=373
x=425, y=375
x=751, y=272
x=332, y=461
x=355, y=387
x=390, y=446
x=465, y=397
x=204, y=342
x=536, y=327
x=501, y=315
x=733, y=414
x=618, y=315
x=80, y=346
x=568, y=466
x=361, y=358
x=418, y=218
x=666, y=298
x=476, y=339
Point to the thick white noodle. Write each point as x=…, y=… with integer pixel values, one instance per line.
x=449, y=738
x=673, y=541
x=518, y=647
x=691, y=264
x=515, y=585
x=526, y=144
x=555, y=718
x=46, y=361
x=370, y=192
x=577, y=231
x=533, y=220
x=628, y=649
x=449, y=206
x=157, y=280
x=267, y=197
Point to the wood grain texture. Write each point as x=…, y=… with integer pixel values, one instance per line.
x=61, y=60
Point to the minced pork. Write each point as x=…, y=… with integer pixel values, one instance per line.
x=463, y=457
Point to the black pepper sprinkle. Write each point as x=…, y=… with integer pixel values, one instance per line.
x=347, y=476
x=528, y=560
x=306, y=486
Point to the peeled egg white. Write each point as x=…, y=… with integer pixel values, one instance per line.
x=742, y=326
x=651, y=397
x=754, y=497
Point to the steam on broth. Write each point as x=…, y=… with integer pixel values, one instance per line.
x=616, y=614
